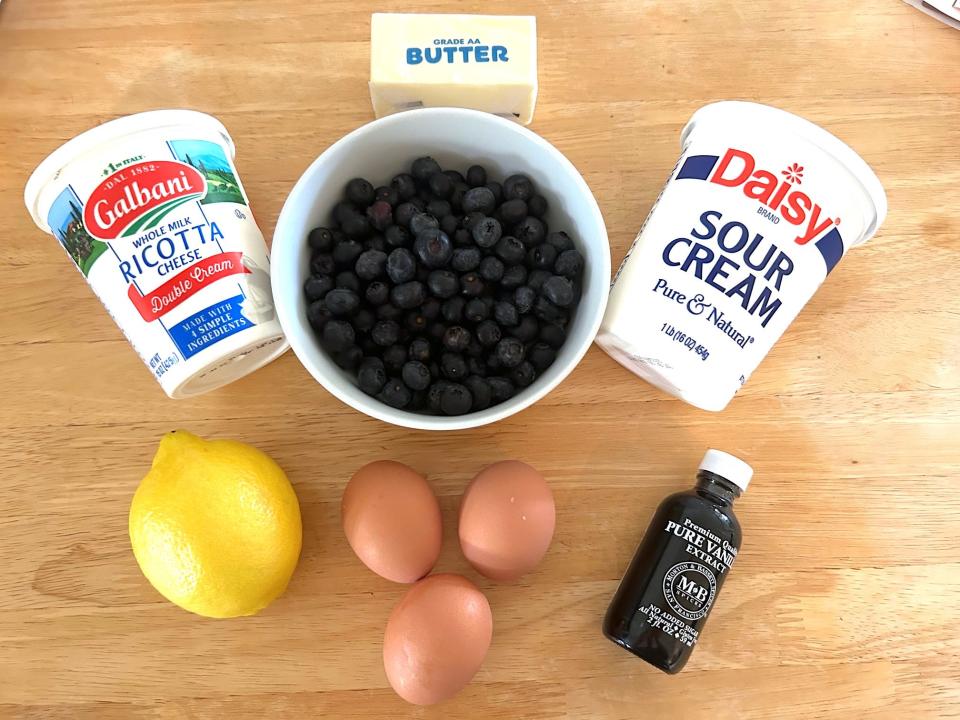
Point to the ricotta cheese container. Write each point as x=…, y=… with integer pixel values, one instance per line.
x=151, y=210
x=759, y=209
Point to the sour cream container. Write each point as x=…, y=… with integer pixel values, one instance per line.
x=151, y=210
x=758, y=210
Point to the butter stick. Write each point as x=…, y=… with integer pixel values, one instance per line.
x=484, y=62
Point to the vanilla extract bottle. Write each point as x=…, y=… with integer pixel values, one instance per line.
x=672, y=583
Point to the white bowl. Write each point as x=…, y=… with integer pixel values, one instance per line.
x=457, y=138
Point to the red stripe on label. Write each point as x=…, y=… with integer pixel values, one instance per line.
x=185, y=284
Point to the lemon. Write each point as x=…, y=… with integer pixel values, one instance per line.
x=215, y=526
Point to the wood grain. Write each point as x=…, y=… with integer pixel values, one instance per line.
x=846, y=598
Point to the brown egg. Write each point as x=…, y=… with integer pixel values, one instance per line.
x=507, y=518
x=436, y=639
x=392, y=521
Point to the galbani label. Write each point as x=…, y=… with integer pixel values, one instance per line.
x=158, y=223
x=742, y=235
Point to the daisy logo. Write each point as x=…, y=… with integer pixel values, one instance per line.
x=793, y=174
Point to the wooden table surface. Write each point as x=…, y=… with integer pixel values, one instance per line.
x=846, y=598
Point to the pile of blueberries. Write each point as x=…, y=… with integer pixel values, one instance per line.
x=444, y=293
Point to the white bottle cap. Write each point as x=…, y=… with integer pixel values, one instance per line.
x=728, y=467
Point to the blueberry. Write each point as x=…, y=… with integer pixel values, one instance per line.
x=443, y=283
x=476, y=176
x=436, y=331
x=517, y=187
x=491, y=269
x=318, y=315
x=338, y=335
x=466, y=259
x=424, y=194
x=419, y=350
x=455, y=176
x=421, y=221
x=401, y=266
x=320, y=239
x=456, y=197
x=363, y=321
x=476, y=310
x=510, y=250
x=356, y=226
x=452, y=309
x=449, y=224
x=430, y=308
x=380, y=215
x=569, y=264
x=371, y=376
x=322, y=264
x=341, y=302
x=344, y=210
x=541, y=356
x=348, y=359
x=388, y=194
x=455, y=399
x=375, y=242
x=474, y=351
x=548, y=312
x=317, y=286
x=377, y=293
x=456, y=338
x=403, y=215
x=394, y=358
x=471, y=284
x=476, y=365
x=560, y=240
x=408, y=295
x=346, y=253
x=526, y=330
x=510, y=352
x=505, y=313
x=558, y=290
x=523, y=374
x=416, y=375
x=479, y=199
x=405, y=186
x=487, y=232
x=514, y=277
x=523, y=298
x=537, y=206
x=501, y=389
x=371, y=264
x=415, y=322
x=537, y=278
x=440, y=185
x=396, y=236
x=488, y=333
x=439, y=208
x=395, y=394
x=434, y=248
x=480, y=391
x=360, y=192
x=530, y=232
x=513, y=211
x=542, y=257
x=453, y=366
x=462, y=238
x=419, y=204
x=369, y=347
x=470, y=220
x=385, y=333
x=347, y=280
x=434, y=393
x=423, y=167
x=389, y=312
x=497, y=190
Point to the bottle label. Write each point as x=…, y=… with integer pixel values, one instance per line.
x=690, y=586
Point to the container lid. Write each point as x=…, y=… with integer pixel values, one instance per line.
x=728, y=467
x=51, y=166
x=760, y=118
